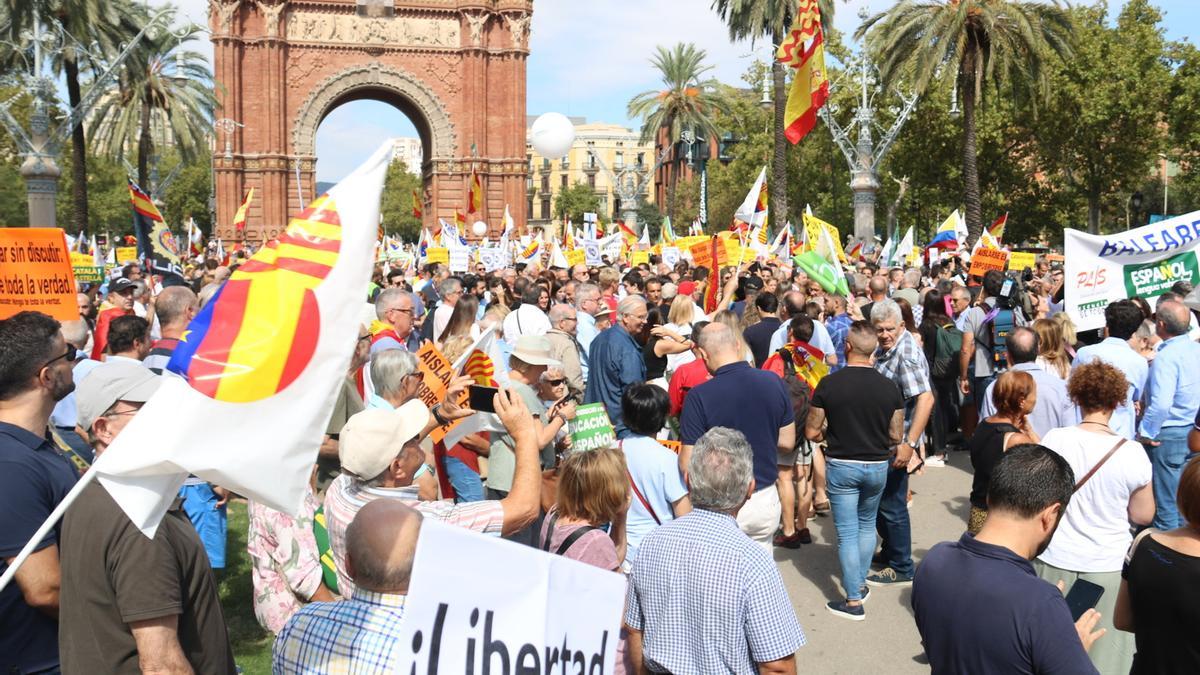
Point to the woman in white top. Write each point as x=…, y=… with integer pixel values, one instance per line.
x=679, y=319
x=1112, y=491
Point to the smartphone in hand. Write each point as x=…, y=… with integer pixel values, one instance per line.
x=1084, y=595
x=481, y=398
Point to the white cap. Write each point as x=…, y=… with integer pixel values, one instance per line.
x=111, y=382
x=371, y=439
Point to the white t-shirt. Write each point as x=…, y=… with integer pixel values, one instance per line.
x=1093, y=535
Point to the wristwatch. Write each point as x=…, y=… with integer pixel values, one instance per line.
x=910, y=444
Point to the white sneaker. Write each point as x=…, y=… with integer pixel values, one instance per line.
x=935, y=461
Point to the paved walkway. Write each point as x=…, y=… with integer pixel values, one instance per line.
x=887, y=641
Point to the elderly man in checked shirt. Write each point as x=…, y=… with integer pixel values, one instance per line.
x=703, y=597
x=361, y=634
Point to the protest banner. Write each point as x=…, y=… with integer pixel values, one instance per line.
x=36, y=273
x=437, y=254
x=126, y=254
x=671, y=255
x=673, y=446
x=576, y=256
x=1144, y=262
x=460, y=259
x=591, y=428
x=492, y=258
x=551, y=614
x=1019, y=260
x=591, y=251
x=702, y=253
x=639, y=258
x=436, y=374
x=986, y=259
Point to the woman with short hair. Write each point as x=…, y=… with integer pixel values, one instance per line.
x=593, y=490
x=1015, y=394
x=1112, y=490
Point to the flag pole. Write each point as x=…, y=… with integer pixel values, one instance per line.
x=52, y=520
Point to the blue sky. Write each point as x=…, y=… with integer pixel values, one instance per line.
x=590, y=57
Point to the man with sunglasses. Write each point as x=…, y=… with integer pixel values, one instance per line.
x=120, y=303
x=35, y=373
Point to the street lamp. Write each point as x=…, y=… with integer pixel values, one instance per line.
x=1166, y=181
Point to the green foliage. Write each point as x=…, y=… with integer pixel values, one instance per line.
x=397, y=203
x=572, y=202
x=187, y=196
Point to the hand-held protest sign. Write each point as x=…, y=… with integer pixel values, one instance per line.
x=551, y=614
x=1143, y=262
x=437, y=254
x=984, y=260
x=35, y=273
x=261, y=365
x=591, y=428
x=1019, y=260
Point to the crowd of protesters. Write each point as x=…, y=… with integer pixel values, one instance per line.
x=744, y=406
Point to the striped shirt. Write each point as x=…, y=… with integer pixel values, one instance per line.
x=160, y=355
x=356, y=636
x=346, y=495
x=708, y=599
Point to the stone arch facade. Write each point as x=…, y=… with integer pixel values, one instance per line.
x=456, y=68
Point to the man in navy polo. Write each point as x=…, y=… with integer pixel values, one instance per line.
x=756, y=403
x=980, y=608
x=35, y=373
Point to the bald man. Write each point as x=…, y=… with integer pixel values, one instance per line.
x=380, y=545
x=1053, y=408
x=175, y=307
x=1171, y=400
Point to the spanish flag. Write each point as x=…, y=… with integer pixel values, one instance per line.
x=459, y=219
x=855, y=252
x=627, y=233
x=474, y=194
x=810, y=86
x=239, y=218
x=416, y=209
x=996, y=229
x=712, y=287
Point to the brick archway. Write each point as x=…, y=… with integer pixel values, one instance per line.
x=456, y=68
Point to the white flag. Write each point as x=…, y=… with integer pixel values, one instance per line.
x=262, y=365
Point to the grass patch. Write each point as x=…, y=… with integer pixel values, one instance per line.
x=251, y=642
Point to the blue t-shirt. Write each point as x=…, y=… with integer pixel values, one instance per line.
x=34, y=478
x=655, y=471
x=981, y=609
x=755, y=402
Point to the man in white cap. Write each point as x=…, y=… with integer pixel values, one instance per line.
x=380, y=454
x=130, y=602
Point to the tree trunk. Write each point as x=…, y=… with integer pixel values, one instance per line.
x=777, y=194
x=79, y=195
x=145, y=147
x=974, y=214
x=1093, y=206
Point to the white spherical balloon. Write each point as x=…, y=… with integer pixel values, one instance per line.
x=552, y=135
x=479, y=228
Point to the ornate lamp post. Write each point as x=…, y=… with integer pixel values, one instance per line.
x=41, y=145
x=629, y=182
x=864, y=155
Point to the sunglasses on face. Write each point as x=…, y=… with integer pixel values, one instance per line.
x=70, y=355
x=556, y=383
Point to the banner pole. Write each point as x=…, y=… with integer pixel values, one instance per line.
x=51, y=521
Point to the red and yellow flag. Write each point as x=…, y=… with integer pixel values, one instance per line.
x=996, y=229
x=712, y=288
x=810, y=86
x=627, y=233
x=459, y=219
x=416, y=209
x=474, y=194
x=239, y=218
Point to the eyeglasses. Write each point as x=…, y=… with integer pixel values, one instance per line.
x=364, y=337
x=402, y=310
x=556, y=383
x=118, y=413
x=70, y=355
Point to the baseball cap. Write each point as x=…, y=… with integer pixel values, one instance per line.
x=121, y=284
x=909, y=295
x=752, y=283
x=687, y=287
x=371, y=439
x=112, y=382
x=534, y=350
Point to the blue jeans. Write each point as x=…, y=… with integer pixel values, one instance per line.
x=466, y=482
x=1167, y=462
x=854, y=492
x=893, y=524
x=200, y=505
x=979, y=385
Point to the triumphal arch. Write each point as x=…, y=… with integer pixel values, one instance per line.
x=456, y=68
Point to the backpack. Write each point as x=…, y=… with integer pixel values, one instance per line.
x=947, y=347
x=1000, y=321
x=799, y=392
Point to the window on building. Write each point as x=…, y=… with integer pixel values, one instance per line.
x=641, y=160
x=591, y=177
x=603, y=208
x=564, y=180
x=619, y=162
x=565, y=163
x=616, y=212
x=545, y=182
x=545, y=208
x=546, y=163
x=529, y=205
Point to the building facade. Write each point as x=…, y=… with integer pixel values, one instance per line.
x=408, y=150
x=597, y=145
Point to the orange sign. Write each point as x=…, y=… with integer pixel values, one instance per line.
x=35, y=273
x=985, y=259
x=673, y=446
x=702, y=253
x=436, y=374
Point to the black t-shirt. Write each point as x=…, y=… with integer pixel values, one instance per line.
x=859, y=404
x=758, y=337
x=656, y=366
x=113, y=575
x=1164, y=592
x=987, y=447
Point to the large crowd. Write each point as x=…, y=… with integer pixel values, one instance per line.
x=735, y=425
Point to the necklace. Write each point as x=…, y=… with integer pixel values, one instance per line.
x=1099, y=424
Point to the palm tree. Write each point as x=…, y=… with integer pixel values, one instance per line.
x=980, y=41
x=688, y=101
x=164, y=89
x=87, y=21
x=772, y=19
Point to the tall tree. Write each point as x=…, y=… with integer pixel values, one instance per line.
x=1115, y=95
x=397, y=202
x=572, y=202
x=165, y=90
x=1001, y=43
x=687, y=101
x=771, y=19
